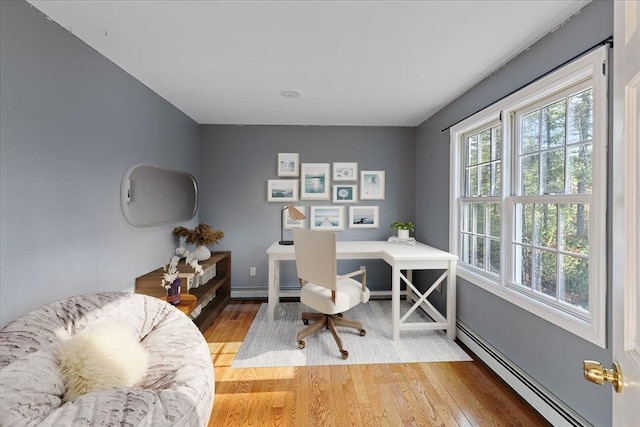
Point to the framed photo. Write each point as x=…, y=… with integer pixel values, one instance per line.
x=345, y=171
x=344, y=193
x=364, y=217
x=372, y=185
x=327, y=217
x=282, y=190
x=314, y=181
x=288, y=164
x=289, y=223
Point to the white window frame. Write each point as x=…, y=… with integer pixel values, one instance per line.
x=589, y=67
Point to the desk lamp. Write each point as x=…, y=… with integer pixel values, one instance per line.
x=293, y=214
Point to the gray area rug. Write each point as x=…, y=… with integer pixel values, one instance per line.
x=271, y=344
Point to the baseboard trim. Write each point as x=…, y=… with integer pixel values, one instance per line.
x=541, y=399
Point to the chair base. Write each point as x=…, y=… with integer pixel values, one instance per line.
x=330, y=321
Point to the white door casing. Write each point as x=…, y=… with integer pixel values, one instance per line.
x=626, y=210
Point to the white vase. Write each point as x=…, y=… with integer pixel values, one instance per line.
x=202, y=253
x=403, y=234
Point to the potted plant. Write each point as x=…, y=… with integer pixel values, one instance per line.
x=202, y=236
x=403, y=228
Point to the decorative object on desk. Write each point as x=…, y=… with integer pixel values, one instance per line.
x=372, y=185
x=345, y=193
x=271, y=344
x=327, y=218
x=345, y=171
x=292, y=213
x=202, y=236
x=170, y=279
x=363, y=217
x=314, y=181
x=282, y=190
x=288, y=164
x=403, y=228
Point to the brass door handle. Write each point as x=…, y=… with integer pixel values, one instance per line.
x=596, y=373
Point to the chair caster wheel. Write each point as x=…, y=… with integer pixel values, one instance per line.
x=344, y=353
x=305, y=321
x=301, y=344
x=363, y=332
x=339, y=314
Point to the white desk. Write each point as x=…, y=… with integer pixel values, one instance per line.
x=399, y=257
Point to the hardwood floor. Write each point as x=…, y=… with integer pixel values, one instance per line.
x=405, y=394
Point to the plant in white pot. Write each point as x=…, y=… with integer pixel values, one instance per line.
x=403, y=228
x=202, y=236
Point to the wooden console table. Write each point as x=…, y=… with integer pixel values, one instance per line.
x=212, y=290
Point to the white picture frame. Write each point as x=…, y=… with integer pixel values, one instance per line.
x=288, y=164
x=372, y=185
x=315, y=181
x=345, y=171
x=345, y=193
x=364, y=217
x=327, y=218
x=282, y=190
x=289, y=223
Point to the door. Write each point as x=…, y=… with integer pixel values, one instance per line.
x=626, y=210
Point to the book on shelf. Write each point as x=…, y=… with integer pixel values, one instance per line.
x=402, y=241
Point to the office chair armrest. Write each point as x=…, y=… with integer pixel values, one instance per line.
x=362, y=272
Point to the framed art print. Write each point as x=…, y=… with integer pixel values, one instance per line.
x=288, y=164
x=344, y=193
x=314, y=181
x=364, y=217
x=289, y=223
x=372, y=185
x=282, y=190
x=327, y=217
x=345, y=171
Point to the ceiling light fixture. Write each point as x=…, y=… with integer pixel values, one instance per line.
x=289, y=93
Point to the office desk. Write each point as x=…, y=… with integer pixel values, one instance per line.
x=400, y=258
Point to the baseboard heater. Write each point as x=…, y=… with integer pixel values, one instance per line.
x=541, y=399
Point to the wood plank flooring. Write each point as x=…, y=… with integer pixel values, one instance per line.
x=404, y=394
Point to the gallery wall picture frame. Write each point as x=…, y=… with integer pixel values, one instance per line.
x=288, y=164
x=282, y=190
x=345, y=171
x=315, y=181
x=372, y=185
x=289, y=223
x=327, y=218
x=364, y=217
x=345, y=193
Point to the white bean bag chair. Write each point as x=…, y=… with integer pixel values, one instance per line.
x=176, y=389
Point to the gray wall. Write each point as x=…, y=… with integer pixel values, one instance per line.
x=237, y=161
x=71, y=123
x=549, y=354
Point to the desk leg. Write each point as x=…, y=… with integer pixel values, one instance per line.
x=395, y=301
x=274, y=287
x=451, y=300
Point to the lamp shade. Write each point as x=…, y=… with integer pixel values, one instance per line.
x=293, y=214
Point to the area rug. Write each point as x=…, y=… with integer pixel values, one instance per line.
x=271, y=344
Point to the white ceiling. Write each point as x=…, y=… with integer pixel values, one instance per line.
x=372, y=63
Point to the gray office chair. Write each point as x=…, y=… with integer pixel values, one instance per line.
x=323, y=289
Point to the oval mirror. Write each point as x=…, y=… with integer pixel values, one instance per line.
x=151, y=195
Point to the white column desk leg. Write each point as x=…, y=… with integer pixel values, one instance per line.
x=395, y=301
x=451, y=299
x=274, y=286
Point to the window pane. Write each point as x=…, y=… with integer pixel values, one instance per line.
x=548, y=270
x=496, y=142
x=478, y=214
x=524, y=223
x=494, y=256
x=576, y=281
x=574, y=229
x=580, y=118
x=479, y=258
x=465, y=222
x=485, y=146
x=580, y=169
x=494, y=219
x=553, y=125
x=472, y=146
x=472, y=182
x=522, y=257
x=496, y=179
x=545, y=229
x=553, y=172
x=530, y=140
x=485, y=180
x=465, y=248
x=529, y=173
